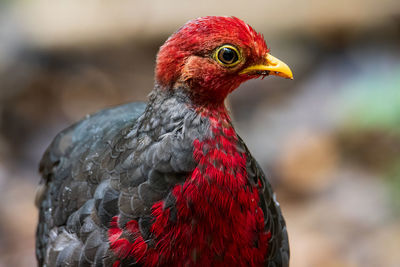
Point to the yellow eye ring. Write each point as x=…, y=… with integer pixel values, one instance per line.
x=227, y=56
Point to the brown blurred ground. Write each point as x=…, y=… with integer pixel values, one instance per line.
x=330, y=139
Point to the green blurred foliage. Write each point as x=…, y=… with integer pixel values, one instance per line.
x=373, y=102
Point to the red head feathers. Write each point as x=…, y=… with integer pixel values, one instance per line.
x=211, y=56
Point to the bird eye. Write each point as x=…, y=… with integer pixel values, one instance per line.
x=227, y=55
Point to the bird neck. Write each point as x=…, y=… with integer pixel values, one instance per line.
x=209, y=96
x=216, y=149
x=164, y=101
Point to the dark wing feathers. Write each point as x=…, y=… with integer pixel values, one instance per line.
x=75, y=190
x=278, y=249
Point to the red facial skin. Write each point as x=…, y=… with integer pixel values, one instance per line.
x=219, y=221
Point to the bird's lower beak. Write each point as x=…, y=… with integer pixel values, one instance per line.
x=273, y=66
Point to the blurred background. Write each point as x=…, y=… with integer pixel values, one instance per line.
x=330, y=139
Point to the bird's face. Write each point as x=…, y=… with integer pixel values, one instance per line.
x=212, y=56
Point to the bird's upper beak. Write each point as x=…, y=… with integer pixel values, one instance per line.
x=273, y=66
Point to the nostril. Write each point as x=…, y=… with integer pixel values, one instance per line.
x=272, y=62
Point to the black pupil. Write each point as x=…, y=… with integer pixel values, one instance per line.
x=227, y=55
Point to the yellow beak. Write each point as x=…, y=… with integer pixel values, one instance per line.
x=273, y=67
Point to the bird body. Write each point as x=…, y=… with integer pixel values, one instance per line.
x=170, y=182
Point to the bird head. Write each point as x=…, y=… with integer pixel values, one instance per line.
x=211, y=56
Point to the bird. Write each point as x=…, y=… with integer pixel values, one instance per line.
x=168, y=182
